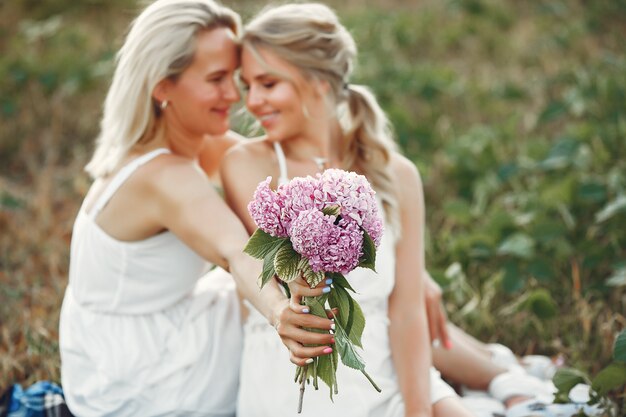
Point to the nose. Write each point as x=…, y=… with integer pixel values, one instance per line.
x=231, y=92
x=254, y=99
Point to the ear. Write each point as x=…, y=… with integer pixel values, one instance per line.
x=321, y=87
x=161, y=90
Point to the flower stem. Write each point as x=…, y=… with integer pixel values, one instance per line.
x=369, y=378
x=302, y=387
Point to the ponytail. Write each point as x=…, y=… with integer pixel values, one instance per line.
x=368, y=147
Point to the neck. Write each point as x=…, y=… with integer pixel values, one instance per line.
x=183, y=145
x=321, y=147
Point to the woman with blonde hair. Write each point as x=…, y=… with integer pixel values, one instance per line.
x=296, y=66
x=140, y=333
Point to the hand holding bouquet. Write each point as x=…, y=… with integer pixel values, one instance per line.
x=319, y=228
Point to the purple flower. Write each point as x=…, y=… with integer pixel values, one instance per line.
x=298, y=195
x=328, y=246
x=266, y=208
x=353, y=193
x=331, y=243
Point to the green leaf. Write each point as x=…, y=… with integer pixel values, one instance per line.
x=286, y=263
x=347, y=351
x=368, y=259
x=562, y=154
x=458, y=210
x=619, y=348
x=611, y=209
x=261, y=244
x=512, y=280
x=541, y=269
x=326, y=369
x=268, y=270
x=540, y=302
x=350, y=317
x=316, y=304
x=333, y=210
x=618, y=279
x=518, y=245
x=592, y=192
x=567, y=378
x=610, y=378
x=311, y=277
x=8, y=201
x=340, y=280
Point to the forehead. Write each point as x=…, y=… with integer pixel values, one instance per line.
x=216, y=48
x=261, y=61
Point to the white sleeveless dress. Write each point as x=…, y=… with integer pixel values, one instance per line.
x=266, y=383
x=140, y=333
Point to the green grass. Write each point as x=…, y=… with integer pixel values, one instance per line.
x=513, y=112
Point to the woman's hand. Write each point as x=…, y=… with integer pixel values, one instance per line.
x=437, y=317
x=292, y=318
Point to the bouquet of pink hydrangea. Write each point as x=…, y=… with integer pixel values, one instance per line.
x=319, y=228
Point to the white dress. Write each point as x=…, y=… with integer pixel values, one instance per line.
x=141, y=334
x=267, y=386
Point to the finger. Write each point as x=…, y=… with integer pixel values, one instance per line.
x=301, y=355
x=296, y=305
x=289, y=318
x=332, y=313
x=306, y=291
x=432, y=323
x=444, y=336
x=306, y=337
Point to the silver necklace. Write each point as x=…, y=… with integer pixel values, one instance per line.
x=320, y=162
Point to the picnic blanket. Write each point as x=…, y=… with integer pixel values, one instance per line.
x=42, y=399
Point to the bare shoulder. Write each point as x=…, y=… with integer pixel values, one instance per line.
x=403, y=168
x=172, y=176
x=251, y=152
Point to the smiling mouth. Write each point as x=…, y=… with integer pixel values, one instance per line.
x=223, y=112
x=266, y=118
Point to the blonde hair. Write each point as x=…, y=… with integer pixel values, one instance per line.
x=310, y=37
x=160, y=44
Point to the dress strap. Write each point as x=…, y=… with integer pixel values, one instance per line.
x=282, y=164
x=123, y=174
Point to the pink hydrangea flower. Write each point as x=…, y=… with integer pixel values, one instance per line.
x=353, y=193
x=298, y=195
x=295, y=211
x=266, y=208
x=328, y=246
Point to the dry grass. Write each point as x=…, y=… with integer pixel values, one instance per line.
x=45, y=144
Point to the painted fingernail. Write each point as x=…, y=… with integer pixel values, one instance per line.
x=326, y=290
x=448, y=344
x=329, y=281
x=306, y=310
x=309, y=361
x=328, y=350
x=332, y=340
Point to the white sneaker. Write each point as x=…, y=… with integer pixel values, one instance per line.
x=534, y=408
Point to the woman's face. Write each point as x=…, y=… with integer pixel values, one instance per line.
x=199, y=100
x=283, y=104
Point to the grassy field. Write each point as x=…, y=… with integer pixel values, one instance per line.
x=514, y=113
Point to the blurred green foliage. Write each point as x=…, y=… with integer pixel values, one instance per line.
x=514, y=113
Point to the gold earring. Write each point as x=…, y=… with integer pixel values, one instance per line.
x=164, y=104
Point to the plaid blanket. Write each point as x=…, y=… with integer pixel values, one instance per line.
x=42, y=399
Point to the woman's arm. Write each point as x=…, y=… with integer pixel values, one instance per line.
x=182, y=200
x=241, y=171
x=408, y=329
x=189, y=206
x=213, y=150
